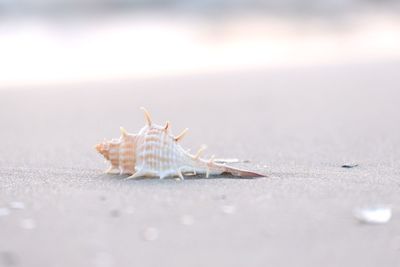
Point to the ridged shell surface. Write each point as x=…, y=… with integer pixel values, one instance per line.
x=155, y=152
x=158, y=154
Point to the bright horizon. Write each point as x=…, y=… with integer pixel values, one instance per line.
x=36, y=52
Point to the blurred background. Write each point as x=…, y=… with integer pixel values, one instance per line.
x=50, y=42
x=293, y=89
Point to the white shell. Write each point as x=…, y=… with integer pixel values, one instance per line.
x=155, y=152
x=373, y=215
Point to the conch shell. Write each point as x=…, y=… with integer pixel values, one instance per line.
x=155, y=152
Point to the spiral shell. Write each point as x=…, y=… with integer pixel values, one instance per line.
x=155, y=152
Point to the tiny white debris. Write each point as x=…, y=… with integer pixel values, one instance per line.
x=103, y=259
x=226, y=160
x=373, y=215
x=228, y=209
x=4, y=211
x=129, y=210
x=187, y=220
x=28, y=224
x=150, y=234
x=17, y=205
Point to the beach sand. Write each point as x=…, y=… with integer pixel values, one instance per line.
x=298, y=126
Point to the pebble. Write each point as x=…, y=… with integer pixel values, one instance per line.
x=8, y=259
x=115, y=213
x=349, y=166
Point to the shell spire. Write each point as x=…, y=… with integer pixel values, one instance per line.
x=146, y=116
x=155, y=152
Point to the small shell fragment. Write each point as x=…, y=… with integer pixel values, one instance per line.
x=129, y=210
x=187, y=220
x=103, y=259
x=222, y=161
x=28, y=224
x=373, y=215
x=150, y=234
x=17, y=205
x=4, y=211
x=228, y=209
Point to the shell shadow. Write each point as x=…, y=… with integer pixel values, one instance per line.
x=188, y=177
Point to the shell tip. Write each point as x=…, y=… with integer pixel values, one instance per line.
x=123, y=131
x=146, y=116
x=197, y=155
x=167, y=125
x=181, y=135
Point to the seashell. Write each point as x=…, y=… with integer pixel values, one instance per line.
x=155, y=152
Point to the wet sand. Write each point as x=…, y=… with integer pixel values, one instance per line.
x=297, y=126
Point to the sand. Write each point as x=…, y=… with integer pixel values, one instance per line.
x=297, y=126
